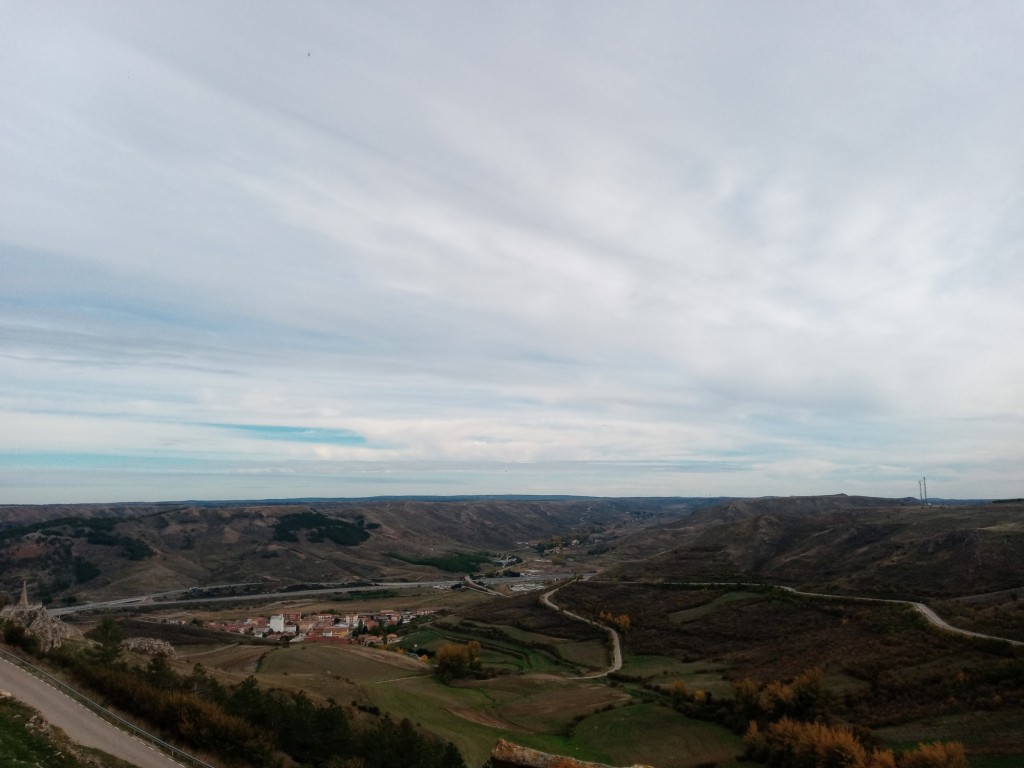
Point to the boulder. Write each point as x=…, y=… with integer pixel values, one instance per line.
x=508, y=755
x=149, y=646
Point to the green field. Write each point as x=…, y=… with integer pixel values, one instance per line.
x=343, y=673
x=587, y=719
x=500, y=650
x=663, y=671
x=656, y=735
x=461, y=715
x=590, y=654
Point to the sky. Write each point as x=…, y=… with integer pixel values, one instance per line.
x=255, y=250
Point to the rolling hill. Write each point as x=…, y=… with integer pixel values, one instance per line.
x=845, y=544
x=103, y=551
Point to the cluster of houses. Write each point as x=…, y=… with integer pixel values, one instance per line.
x=366, y=628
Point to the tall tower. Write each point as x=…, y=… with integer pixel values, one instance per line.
x=23, y=602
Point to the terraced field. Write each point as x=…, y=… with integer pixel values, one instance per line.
x=532, y=700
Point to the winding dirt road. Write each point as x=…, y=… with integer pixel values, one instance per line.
x=921, y=608
x=932, y=617
x=616, y=641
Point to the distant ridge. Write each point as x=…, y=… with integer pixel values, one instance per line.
x=10, y=513
x=704, y=501
x=397, y=497
x=114, y=505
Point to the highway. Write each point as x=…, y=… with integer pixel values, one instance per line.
x=80, y=724
x=151, y=600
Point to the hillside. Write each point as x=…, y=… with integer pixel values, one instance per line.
x=852, y=545
x=849, y=544
x=102, y=551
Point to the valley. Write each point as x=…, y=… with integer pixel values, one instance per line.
x=708, y=602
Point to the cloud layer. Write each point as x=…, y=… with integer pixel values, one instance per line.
x=256, y=251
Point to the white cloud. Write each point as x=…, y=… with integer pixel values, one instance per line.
x=579, y=241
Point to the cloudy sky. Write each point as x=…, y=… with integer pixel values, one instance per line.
x=265, y=250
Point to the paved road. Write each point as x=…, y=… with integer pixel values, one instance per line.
x=150, y=600
x=80, y=724
x=616, y=641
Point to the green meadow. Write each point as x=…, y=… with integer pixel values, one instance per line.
x=532, y=700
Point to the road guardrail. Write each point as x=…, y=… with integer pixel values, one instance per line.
x=112, y=718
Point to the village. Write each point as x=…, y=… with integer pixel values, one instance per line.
x=376, y=628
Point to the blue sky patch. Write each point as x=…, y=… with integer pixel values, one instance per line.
x=296, y=434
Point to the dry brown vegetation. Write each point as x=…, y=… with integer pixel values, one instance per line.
x=526, y=613
x=839, y=544
x=896, y=668
x=175, y=546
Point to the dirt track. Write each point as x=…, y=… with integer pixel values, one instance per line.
x=616, y=641
x=921, y=608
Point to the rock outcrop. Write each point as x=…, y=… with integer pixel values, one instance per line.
x=149, y=646
x=508, y=755
x=50, y=631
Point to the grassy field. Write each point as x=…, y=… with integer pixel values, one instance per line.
x=586, y=720
x=585, y=653
x=656, y=735
x=499, y=650
x=697, y=675
x=343, y=673
x=235, y=661
x=472, y=715
x=464, y=716
x=593, y=654
x=583, y=718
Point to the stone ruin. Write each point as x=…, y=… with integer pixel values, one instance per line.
x=48, y=630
